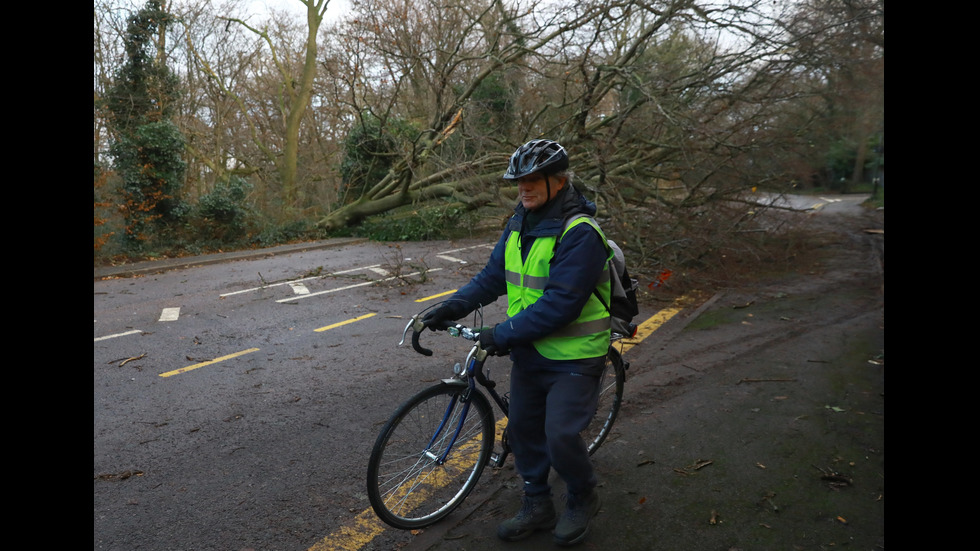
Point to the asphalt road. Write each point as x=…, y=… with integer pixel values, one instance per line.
x=754, y=420
x=235, y=402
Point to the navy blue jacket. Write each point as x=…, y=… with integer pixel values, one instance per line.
x=575, y=269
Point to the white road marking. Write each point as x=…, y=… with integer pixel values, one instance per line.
x=253, y=289
x=133, y=332
x=354, y=286
x=481, y=246
x=299, y=288
x=376, y=268
x=169, y=314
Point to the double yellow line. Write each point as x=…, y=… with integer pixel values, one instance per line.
x=647, y=328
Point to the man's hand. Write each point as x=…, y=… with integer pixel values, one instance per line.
x=487, y=343
x=440, y=318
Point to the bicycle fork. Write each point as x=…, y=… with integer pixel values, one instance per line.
x=497, y=458
x=447, y=418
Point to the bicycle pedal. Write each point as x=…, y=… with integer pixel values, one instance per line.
x=497, y=459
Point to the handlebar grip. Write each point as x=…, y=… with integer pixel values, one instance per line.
x=417, y=346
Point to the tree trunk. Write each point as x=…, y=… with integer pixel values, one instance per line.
x=297, y=95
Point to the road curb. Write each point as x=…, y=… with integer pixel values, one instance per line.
x=157, y=266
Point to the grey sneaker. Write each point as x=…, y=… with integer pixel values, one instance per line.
x=537, y=513
x=574, y=523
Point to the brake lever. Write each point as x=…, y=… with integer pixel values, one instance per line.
x=405, y=332
x=416, y=326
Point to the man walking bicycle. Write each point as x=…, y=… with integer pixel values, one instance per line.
x=557, y=333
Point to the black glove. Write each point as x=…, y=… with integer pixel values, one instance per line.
x=487, y=343
x=440, y=318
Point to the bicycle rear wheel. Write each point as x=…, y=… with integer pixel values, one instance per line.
x=412, y=482
x=611, y=382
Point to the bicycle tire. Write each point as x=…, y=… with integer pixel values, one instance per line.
x=409, y=488
x=612, y=381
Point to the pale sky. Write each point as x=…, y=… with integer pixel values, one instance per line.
x=335, y=8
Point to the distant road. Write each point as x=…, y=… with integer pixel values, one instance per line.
x=842, y=203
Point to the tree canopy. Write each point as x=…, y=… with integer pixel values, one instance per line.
x=674, y=106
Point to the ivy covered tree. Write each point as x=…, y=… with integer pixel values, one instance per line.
x=369, y=152
x=146, y=146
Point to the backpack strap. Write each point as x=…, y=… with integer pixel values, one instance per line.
x=567, y=224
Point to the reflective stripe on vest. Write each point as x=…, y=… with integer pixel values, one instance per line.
x=587, y=336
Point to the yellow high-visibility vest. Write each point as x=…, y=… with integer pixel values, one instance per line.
x=587, y=336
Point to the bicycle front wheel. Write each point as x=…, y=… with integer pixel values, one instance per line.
x=430, y=455
x=611, y=382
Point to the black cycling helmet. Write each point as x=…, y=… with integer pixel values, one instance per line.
x=546, y=156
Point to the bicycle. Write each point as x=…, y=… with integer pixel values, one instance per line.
x=431, y=452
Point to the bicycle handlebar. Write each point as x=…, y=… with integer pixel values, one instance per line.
x=454, y=329
x=416, y=325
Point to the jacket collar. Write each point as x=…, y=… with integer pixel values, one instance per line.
x=568, y=202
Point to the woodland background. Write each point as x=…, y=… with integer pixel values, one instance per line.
x=218, y=129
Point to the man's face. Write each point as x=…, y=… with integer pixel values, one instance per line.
x=533, y=190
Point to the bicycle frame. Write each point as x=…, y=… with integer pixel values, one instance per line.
x=473, y=374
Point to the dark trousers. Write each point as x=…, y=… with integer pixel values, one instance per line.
x=548, y=411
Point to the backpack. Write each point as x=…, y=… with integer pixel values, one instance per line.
x=624, y=305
